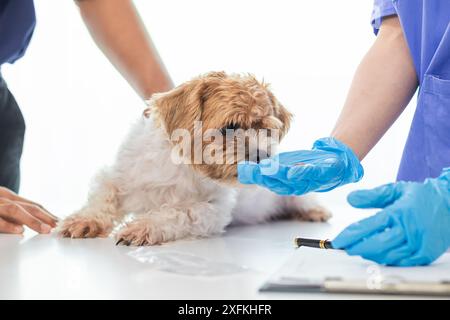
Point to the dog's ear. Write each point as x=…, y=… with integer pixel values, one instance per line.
x=285, y=116
x=182, y=106
x=282, y=114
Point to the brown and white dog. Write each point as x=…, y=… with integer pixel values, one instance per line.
x=171, y=194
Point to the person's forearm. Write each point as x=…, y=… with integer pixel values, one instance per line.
x=382, y=87
x=119, y=32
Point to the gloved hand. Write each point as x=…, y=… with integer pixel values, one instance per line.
x=412, y=229
x=328, y=165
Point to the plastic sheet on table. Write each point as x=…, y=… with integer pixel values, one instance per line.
x=185, y=263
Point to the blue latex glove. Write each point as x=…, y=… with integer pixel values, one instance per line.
x=328, y=165
x=412, y=229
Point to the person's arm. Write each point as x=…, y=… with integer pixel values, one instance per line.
x=119, y=32
x=382, y=87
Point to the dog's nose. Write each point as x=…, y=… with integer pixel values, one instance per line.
x=257, y=157
x=261, y=155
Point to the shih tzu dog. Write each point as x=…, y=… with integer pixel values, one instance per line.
x=176, y=173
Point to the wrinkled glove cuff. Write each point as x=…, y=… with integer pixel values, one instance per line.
x=445, y=176
x=353, y=168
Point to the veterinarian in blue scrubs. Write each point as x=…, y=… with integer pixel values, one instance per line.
x=412, y=228
x=133, y=55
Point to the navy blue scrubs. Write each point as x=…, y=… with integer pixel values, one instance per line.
x=17, y=22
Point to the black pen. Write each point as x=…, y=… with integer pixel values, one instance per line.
x=313, y=243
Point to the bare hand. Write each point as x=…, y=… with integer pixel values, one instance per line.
x=15, y=212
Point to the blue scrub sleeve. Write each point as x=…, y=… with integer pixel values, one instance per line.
x=381, y=9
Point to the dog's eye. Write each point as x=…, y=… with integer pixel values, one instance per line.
x=231, y=126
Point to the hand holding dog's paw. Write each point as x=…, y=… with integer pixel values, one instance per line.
x=82, y=226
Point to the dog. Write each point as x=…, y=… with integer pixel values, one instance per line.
x=172, y=196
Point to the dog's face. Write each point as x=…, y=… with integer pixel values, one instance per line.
x=229, y=118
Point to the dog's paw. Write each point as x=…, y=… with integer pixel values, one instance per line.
x=316, y=214
x=82, y=226
x=139, y=233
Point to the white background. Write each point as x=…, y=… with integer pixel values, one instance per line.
x=78, y=108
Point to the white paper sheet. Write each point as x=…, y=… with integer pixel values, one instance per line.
x=315, y=265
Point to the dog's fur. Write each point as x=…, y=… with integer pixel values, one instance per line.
x=171, y=201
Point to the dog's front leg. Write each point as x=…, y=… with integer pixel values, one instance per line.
x=175, y=222
x=98, y=217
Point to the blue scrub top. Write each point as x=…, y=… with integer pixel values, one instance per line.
x=426, y=25
x=17, y=22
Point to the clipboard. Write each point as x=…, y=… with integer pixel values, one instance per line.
x=311, y=270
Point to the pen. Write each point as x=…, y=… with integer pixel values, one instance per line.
x=313, y=243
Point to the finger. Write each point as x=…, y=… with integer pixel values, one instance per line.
x=274, y=169
x=248, y=172
x=418, y=259
x=276, y=186
x=38, y=213
x=392, y=257
x=280, y=184
x=13, y=212
x=375, y=247
x=326, y=170
x=357, y=231
x=10, y=195
x=379, y=197
x=414, y=261
x=9, y=227
x=318, y=178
